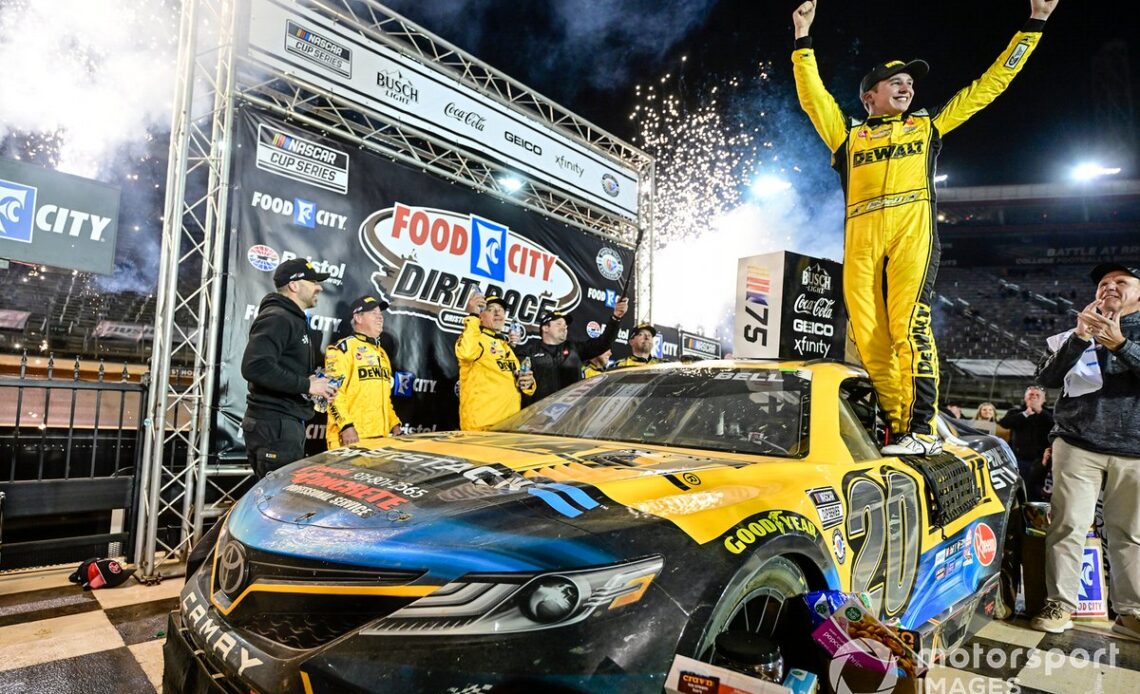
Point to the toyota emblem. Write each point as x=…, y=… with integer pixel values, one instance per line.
x=231, y=568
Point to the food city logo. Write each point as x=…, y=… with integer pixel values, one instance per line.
x=304, y=213
x=266, y=259
x=471, y=119
x=430, y=260
x=317, y=49
x=20, y=217
x=284, y=154
x=397, y=86
x=324, y=324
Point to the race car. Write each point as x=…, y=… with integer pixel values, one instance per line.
x=586, y=541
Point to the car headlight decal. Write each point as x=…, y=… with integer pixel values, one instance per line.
x=523, y=603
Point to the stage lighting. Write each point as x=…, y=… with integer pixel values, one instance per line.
x=767, y=186
x=510, y=184
x=1089, y=171
x=941, y=178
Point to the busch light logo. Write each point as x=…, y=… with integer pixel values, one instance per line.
x=17, y=204
x=403, y=384
x=609, y=263
x=816, y=279
x=490, y=242
x=610, y=185
x=263, y=257
x=304, y=213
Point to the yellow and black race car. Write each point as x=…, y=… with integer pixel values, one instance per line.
x=584, y=542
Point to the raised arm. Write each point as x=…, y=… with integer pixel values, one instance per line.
x=982, y=91
x=815, y=100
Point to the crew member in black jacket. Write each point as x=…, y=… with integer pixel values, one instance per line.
x=556, y=361
x=279, y=365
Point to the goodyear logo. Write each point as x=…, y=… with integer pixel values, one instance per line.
x=766, y=526
x=877, y=154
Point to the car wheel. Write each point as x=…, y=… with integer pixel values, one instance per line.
x=757, y=601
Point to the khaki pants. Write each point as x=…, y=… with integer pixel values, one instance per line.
x=1077, y=478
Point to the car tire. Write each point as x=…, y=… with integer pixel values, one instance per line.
x=758, y=599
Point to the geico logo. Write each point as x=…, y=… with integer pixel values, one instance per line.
x=369, y=373
x=333, y=270
x=446, y=235
x=525, y=144
x=776, y=523
x=73, y=222
x=812, y=328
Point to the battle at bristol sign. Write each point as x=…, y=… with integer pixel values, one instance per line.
x=431, y=261
x=789, y=306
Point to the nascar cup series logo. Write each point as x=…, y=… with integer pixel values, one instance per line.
x=431, y=260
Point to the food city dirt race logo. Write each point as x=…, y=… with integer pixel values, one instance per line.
x=430, y=260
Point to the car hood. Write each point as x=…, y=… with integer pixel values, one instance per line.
x=512, y=497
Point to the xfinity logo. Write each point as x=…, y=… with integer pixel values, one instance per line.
x=568, y=165
x=468, y=118
x=397, y=87
x=520, y=142
x=19, y=216
x=304, y=212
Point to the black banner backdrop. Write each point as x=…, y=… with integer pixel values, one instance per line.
x=421, y=243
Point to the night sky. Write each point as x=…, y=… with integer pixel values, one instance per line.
x=589, y=54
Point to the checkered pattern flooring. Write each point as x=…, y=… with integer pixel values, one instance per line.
x=56, y=638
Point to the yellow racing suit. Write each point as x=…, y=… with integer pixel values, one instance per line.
x=886, y=166
x=364, y=400
x=488, y=392
x=633, y=360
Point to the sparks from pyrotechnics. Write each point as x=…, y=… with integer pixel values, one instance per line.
x=704, y=157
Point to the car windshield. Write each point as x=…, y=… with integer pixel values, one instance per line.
x=760, y=411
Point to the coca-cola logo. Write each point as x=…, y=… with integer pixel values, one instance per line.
x=471, y=119
x=820, y=307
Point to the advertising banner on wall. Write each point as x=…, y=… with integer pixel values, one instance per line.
x=789, y=306
x=1032, y=247
x=331, y=55
x=57, y=219
x=419, y=242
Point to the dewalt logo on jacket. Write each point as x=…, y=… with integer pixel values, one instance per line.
x=902, y=149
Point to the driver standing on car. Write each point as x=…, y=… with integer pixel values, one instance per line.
x=363, y=404
x=491, y=384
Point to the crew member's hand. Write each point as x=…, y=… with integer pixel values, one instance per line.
x=348, y=436
x=1105, y=327
x=805, y=15
x=321, y=388
x=621, y=307
x=1041, y=9
x=526, y=380
x=1046, y=457
x=396, y=430
x=476, y=303
x=1084, y=329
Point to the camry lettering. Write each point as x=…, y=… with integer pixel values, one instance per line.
x=223, y=643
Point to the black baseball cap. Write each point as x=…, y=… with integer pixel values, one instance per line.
x=643, y=326
x=915, y=68
x=495, y=299
x=297, y=269
x=548, y=316
x=367, y=303
x=1103, y=269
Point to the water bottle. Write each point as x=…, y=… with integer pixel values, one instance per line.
x=524, y=368
x=322, y=404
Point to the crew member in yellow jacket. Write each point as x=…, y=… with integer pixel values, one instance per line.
x=490, y=384
x=886, y=165
x=362, y=408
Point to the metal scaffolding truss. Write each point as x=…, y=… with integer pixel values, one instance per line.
x=211, y=76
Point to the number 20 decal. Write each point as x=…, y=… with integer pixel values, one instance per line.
x=883, y=530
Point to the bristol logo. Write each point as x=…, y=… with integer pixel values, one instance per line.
x=490, y=240
x=17, y=205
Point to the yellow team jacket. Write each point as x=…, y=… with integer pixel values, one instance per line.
x=365, y=397
x=860, y=151
x=487, y=365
